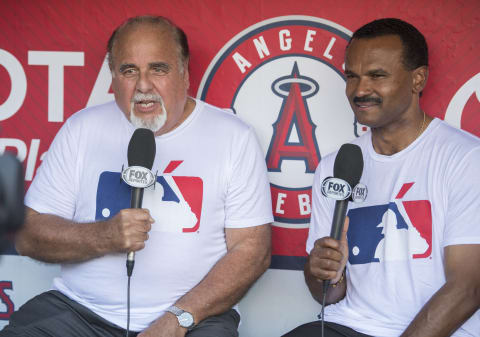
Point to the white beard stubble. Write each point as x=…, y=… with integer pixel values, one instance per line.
x=154, y=123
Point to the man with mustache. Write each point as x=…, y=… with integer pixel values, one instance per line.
x=406, y=264
x=186, y=279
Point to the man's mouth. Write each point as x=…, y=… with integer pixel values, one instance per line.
x=365, y=103
x=146, y=104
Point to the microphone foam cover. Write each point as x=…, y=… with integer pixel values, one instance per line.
x=349, y=164
x=141, y=149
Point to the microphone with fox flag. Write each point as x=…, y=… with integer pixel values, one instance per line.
x=138, y=174
x=347, y=170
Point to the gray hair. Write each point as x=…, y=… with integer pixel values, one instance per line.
x=161, y=22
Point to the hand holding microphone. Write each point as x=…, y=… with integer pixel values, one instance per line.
x=330, y=254
x=141, y=154
x=329, y=257
x=128, y=229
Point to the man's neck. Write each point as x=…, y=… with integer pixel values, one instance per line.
x=394, y=138
x=187, y=111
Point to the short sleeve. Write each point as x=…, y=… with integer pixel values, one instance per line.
x=248, y=200
x=53, y=188
x=462, y=225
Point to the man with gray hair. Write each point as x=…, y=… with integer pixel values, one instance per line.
x=190, y=270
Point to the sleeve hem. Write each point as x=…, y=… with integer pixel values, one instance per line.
x=38, y=207
x=462, y=241
x=248, y=222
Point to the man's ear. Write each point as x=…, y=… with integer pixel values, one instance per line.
x=420, y=77
x=186, y=74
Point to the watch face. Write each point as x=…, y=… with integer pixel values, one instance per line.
x=185, y=319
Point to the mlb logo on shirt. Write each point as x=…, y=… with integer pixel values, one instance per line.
x=397, y=231
x=175, y=203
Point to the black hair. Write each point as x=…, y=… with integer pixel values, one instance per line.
x=415, y=49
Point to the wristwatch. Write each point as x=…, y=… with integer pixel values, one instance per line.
x=185, y=319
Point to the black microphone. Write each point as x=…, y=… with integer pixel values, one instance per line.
x=348, y=167
x=12, y=209
x=141, y=154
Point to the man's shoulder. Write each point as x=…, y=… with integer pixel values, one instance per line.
x=101, y=113
x=458, y=135
x=457, y=140
x=224, y=117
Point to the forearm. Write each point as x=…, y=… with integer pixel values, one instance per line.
x=446, y=311
x=229, y=279
x=50, y=238
x=334, y=294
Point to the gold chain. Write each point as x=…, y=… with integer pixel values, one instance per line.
x=421, y=128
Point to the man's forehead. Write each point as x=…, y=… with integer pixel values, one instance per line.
x=142, y=31
x=390, y=43
x=150, y=41
x=387, y=48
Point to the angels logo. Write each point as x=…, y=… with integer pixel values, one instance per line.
x=284, y=76
x=463, y=109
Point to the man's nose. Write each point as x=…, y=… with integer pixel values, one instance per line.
x=364, y=87
x=144, y=83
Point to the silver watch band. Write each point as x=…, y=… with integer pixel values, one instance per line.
x=185, y=319
x=175, y=310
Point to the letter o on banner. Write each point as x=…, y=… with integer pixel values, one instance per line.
x=19, y=85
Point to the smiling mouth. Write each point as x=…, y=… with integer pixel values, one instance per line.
x=365, y=105
x=366, y=102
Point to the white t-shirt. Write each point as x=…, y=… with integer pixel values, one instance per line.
x=419, y=201
x=211, y=176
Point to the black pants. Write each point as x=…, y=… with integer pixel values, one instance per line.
x=53, y=314
x=313, y=329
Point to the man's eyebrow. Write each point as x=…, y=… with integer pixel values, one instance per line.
x=163, y=65
x=377, y=71
x=349, y=72
x=126, y=66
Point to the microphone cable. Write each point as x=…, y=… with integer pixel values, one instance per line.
x=129, y=275
x=326, y=283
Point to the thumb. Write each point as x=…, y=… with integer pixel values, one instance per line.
x=344, y=242
x=345, y=229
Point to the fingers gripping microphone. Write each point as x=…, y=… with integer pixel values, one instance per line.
x=141, y=154
x=348, y=168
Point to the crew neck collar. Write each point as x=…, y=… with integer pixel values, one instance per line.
x=396, y=156
x=198, y=106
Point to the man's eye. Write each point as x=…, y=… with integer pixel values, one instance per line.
x=129, y=71
x=160, y=70
x=377, y=75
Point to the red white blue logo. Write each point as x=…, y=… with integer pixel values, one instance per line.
x=284, y=76
x=175, y=202
x=398, y=231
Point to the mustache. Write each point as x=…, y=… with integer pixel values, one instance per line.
x=367, y=99
x=139, y=97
